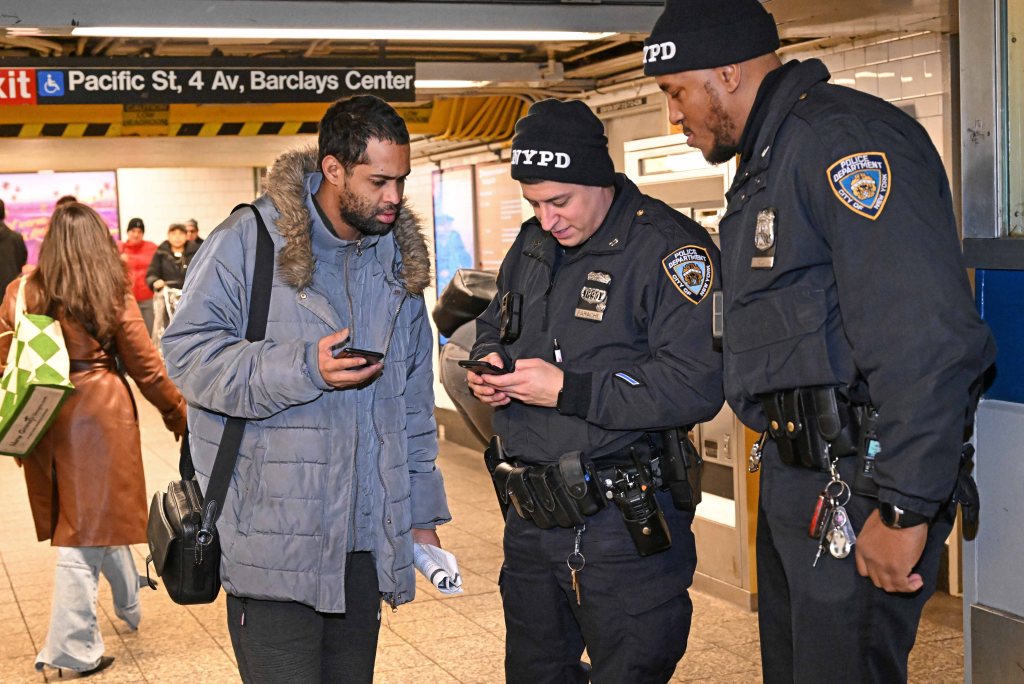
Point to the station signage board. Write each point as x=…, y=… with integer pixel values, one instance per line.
x=163, y=81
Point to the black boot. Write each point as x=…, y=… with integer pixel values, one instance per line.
x=105, y=662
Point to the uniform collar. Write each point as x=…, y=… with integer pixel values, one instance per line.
x=759, y=111
x=791, y=87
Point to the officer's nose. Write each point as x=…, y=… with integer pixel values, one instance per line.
x=675, y=115
x=548, y=217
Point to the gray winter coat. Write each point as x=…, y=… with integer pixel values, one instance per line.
x=288, y=518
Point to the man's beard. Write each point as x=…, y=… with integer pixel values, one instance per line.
x=361, y=215
x=723, y=130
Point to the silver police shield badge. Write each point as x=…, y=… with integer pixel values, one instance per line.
x=764, y=239
x=764, y=232
x=594, y=296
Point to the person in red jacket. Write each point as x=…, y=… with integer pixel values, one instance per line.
x=137, y=253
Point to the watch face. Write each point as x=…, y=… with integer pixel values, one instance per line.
x=897, y=518
x=889, y=514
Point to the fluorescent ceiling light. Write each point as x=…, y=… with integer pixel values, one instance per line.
x=428, y=35
x=444, y=84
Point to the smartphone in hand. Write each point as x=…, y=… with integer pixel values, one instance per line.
x=482, y=367
x=340, y=351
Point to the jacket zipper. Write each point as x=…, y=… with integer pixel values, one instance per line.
x=195, y=502
x=547, y=299
x=348, y=296
x=351, y=337
x=391, y=598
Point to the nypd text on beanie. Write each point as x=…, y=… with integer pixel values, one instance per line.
x=703, y=34
x=564, y=142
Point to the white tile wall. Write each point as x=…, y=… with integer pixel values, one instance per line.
x=866, y=80
x=906, y=70
x=876, y=54
x=165, y=196
x=889, y=84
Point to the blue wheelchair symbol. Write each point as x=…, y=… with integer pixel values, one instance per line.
x=50, y=83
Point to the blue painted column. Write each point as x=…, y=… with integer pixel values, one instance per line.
x=993, y=588
x=1000, y=298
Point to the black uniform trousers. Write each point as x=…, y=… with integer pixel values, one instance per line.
x=827, y=623
x=284, y=642
x=635, y=614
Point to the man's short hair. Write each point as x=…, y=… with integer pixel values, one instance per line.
x=533, y=180
x=3, y=211
x=174, y=227
x=349, y=125
x=192, y=222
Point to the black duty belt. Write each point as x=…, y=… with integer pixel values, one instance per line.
x=647, y=448
x=565, y=493
x=813, y=425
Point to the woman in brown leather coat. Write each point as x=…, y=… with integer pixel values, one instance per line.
x=85, y=479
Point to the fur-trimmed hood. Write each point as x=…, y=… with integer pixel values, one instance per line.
x=286, y=188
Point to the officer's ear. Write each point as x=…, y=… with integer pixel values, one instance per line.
x=729, y=77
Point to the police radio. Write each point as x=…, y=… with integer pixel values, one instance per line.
x=632, y=490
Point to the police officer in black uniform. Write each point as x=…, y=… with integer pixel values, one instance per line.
x=603, y=314
x=850, y=337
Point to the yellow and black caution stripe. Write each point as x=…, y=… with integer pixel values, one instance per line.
x=456, y=118
x=57, y=130
x=196, y=129
x=200, y=129
x=89, y=121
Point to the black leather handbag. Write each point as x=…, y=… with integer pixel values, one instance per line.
x=184, y=546
x=184, y=555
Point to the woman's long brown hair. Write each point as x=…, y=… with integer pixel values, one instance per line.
x=80, y=272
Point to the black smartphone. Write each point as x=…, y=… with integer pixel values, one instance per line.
x=340, y=351
x=482, y=367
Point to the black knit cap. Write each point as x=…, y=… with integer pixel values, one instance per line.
x=137, y=223
x=703, y=34
x=564, y=142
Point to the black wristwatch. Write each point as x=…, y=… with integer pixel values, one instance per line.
x=898, y=518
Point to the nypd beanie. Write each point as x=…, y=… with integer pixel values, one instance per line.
x=703, y=34
x=564, y=142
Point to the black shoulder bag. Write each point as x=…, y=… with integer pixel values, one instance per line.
x=183, y=543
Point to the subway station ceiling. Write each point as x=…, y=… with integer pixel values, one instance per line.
x=609, y=56
x=491, y=77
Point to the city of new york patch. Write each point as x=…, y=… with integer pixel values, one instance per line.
x=690, y=270
x=862, y=182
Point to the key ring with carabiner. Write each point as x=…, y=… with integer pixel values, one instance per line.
x=837, y=488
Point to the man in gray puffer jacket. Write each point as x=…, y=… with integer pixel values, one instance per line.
x=335, y=478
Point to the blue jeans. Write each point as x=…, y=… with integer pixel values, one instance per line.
x=73, y=640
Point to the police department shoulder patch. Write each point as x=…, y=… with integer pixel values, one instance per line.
x=690, y=270
x=862, y=182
